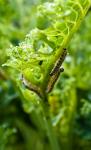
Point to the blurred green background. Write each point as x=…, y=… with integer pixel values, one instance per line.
x=21, y=124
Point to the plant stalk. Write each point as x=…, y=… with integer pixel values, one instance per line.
x=48, y=125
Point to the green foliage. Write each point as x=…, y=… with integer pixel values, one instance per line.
x=5, y=134
x=75, y=85
x=16, y=19
x=60, y=119
x=36, y=56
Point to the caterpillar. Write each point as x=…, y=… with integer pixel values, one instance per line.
x=53, y=80
x=31, y=87
x=59, y=62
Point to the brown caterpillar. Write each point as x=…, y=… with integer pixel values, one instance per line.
x=53, y=80
x=59, y=62
x=31, y=87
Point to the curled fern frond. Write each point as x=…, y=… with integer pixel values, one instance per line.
x=43, y=47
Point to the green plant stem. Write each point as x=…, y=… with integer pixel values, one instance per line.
x=67, y=128
x=49, y=128
x=72, y=114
